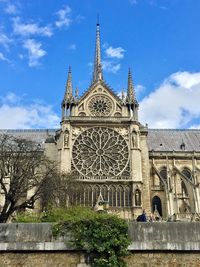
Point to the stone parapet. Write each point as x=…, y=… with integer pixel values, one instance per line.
x=157, y=236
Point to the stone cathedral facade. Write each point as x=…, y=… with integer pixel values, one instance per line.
x=117, y=159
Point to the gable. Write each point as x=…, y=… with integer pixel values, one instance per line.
x=100, y=101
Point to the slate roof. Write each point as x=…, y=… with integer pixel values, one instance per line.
x=158, y=139
x=171, y=139
x=37, y=135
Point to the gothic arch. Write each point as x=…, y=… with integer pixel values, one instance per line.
x=96, y=193
x=120, y=196
x=128, y=196
x=163, y=174
x=185, y=205
x=188, y=188
x=187, y=172
x=104, y=192
x=138, y=197
x=112, y=196
x=157, y=204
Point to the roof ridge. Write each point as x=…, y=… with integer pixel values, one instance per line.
x=170, y=129
x=27, y=130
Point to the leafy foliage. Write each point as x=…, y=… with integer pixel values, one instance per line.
x=103, y=236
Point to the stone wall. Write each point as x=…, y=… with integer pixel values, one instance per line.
x=73, y=259
x=153, y=244
x=164, y=259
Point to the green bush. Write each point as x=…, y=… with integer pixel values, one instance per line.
x=103, y=236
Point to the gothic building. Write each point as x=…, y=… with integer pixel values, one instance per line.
x=117, y=159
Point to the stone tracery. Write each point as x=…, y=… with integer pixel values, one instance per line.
x=100, y=151
x=100, y=105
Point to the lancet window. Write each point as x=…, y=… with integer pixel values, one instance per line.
x=118, y=196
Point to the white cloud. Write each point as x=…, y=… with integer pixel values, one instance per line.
x=35, y=52
x=3, y=58
x=64, y=19
x=29, y=29
x=110, y=66
x=11, y=9
x=175, y=104
x=117, y=52
x=5, y=41
x=185, y=79
x=72, y=47
x=25, y=116
x=10, y=98
x=139, y=88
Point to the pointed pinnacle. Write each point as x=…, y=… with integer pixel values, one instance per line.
x=97, y=73
x=68, y=88
x=131, y=98
x=123, y=95
x=76, y=92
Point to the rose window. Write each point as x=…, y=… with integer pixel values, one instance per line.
x=100, y=105
x=99, y=152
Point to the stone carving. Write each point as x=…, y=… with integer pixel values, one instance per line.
x=137, y=197
x=134, y=139
x=99, y=152
x=122, y=131
x=66, y=138
x=76, y=131
x=100, y=105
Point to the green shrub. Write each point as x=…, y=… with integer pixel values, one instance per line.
x=103, y=236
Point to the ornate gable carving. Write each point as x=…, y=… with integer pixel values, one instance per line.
x=99, y=101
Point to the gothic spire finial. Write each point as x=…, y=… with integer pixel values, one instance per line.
x=97, y=74
x=68, y=88
x=130, y=98
x=76, y=92
x=123, y=95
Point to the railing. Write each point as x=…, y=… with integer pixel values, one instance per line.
x=88, y=118
x=103, y=178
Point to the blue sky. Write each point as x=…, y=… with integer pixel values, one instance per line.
x=158, y=39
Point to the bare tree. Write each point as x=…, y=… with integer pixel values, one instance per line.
x=61, y=190
x=25, y=174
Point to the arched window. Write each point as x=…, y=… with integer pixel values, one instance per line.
x=156, y=204
x=163, y=173
x=186, y=172
x=128, y=196
x=95, y=195
x=138, y=201
x=112, y=196
x=120, y=196
x=104, y=192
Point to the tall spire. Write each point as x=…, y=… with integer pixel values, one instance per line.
x=97, y=74
x=130, y=98
x=68, y=88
